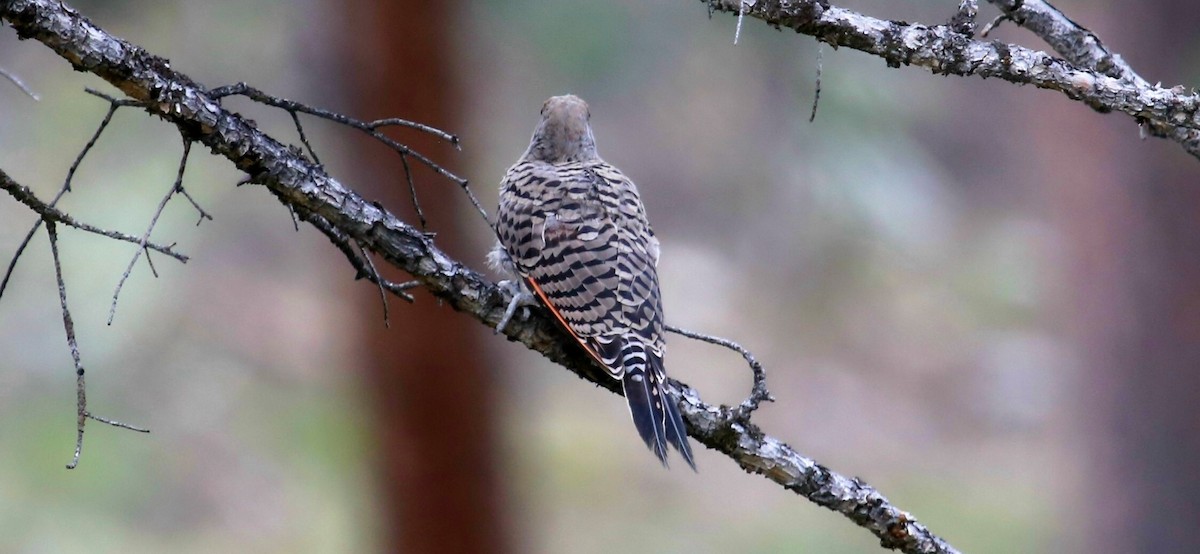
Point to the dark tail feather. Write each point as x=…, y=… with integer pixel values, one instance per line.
x=656, y=414
x=646, y=407
x=676, y=432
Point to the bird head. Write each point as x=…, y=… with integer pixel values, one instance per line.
x=563, y=134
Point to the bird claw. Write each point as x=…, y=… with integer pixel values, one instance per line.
x=520, y=299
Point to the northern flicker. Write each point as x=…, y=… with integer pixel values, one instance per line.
x=573, y=232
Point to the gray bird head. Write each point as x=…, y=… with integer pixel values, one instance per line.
x=563, y=134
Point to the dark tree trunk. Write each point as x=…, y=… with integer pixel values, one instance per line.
x=432, y=392
x=1137, y=238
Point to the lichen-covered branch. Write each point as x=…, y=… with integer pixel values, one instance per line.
x=304, y=186
x=1089, y=74
x=1084, y=49
x=1074, y=43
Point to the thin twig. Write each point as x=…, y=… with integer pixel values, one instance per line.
x=119, y=102
x=150, y=262
x=187, y=148
x=371, y=128
x=475, y=202
x=303, y=138
x=816, y=93
x=112, y=109
x=758, y=391
x=81, y=411
x=397, y=122
x=342, y=243
x=243, y=89
x=25, y=196
x=374, y=276
x=20, y=84
x=737, y=33
x=995, y=22
x=69, y=327
x=292, y=212
x=162, y=205
x=412, y=190
x=66, y=187
x=116, y=423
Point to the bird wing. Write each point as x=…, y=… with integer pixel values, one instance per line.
x=563, y=238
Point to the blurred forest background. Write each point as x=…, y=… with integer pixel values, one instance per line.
x=978, y=297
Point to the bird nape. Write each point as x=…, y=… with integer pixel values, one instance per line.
x=573, y=233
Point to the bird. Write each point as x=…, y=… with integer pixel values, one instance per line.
x=573, y=235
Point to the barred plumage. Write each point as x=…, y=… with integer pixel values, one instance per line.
x=574, y=229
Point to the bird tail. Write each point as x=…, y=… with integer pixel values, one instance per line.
x=655, y=411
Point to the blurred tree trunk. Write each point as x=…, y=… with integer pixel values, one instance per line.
x=1136, y=235
x=435, y=410
x=1130, y=213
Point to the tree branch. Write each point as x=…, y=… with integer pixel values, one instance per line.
x=1090, y=74
x=25, y=196
x=1074, y=43
x=81, y=412
x=323, y=201
x=176, y=188
x=1084, y=49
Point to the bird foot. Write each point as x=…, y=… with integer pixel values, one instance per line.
x=520, y=299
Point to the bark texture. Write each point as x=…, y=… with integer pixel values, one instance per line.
x=1089, y=73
